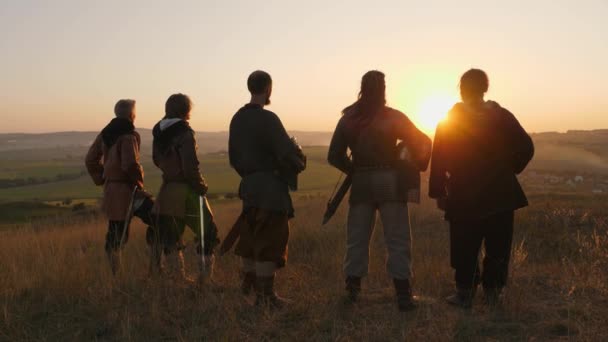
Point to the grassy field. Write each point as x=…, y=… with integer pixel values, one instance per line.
x=56, y=285
x=215, y=167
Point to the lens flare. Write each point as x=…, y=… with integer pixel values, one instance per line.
x=433, y=109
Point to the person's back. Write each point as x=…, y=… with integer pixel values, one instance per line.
x=381, y=182
x=180, y=199
x=477, y=153
x=267, y=160
x=254, y=132
x=482, y=147
x=174, y=152
x=264, y=156
x=113, y=161
x=380, y=174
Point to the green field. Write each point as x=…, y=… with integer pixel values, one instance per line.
x=215, y=167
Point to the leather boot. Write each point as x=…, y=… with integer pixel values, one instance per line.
x=491, y=296
x=405, y=300
x=463, y=297
x=264, y=287
x=353, y=288
x=248, y=284
x=115, y=261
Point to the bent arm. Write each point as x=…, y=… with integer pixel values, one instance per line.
x=287, y=153
x=438, y=177
x=418, y=142
x=129, y=160
x=521, y=142
x=94, y=163
x=337, y=153
x=190, y=165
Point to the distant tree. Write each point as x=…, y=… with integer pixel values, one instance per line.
x=67, y=201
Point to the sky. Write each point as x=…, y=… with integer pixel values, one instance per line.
x=64, y=64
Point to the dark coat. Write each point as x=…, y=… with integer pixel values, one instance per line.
x=174, y=152
x=477, y=154
x=378, y=174
x=113, y=161
x=265, y=157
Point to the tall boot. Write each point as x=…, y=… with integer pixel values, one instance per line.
x=206, y=265
x=115, y=261
x=463, y=297
x=353, y=288
x=491, y=296
x=405, y=299
x=266, y=296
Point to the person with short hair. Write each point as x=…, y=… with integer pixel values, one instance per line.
x=478, y=152
x=113, y=162
x=268, y=162
x=388, y=154
x=178, y=202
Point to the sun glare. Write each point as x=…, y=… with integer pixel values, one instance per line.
x=432, y=109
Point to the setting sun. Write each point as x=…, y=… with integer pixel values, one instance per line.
x=432, y=109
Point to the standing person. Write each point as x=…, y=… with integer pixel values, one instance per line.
x=381, y=182
x=178, y=203
x=113, y=161
x=268, y=161
x=478, y=152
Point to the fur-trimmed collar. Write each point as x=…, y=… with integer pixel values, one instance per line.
x=115, y=129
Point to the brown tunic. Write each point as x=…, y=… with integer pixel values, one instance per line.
x=117, y=168
x=174, y=152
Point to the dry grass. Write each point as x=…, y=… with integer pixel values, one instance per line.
x=55, y=285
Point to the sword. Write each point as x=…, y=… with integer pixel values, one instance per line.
x=128, y=218
x=334, y=203
x=202, y=217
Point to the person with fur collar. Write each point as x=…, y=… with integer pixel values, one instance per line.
x=113, y=162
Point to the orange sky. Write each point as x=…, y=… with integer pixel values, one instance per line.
x=65, y=63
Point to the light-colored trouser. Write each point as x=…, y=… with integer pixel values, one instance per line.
x=397, y=236
x=260, y=268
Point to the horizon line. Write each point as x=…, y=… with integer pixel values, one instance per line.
x=288, y=130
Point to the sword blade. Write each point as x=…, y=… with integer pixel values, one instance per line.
x=128, y=217
x=334, y=203
x=202, y=218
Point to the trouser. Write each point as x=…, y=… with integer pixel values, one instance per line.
x=466, y=237
x=115, y=228
x=263, y=240
x=397, y=235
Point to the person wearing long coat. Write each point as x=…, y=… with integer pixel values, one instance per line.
x=478, y=152
x=113, y=162
x=388, y=154
x=178, y=203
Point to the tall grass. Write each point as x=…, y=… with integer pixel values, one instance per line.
x=55, y=284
